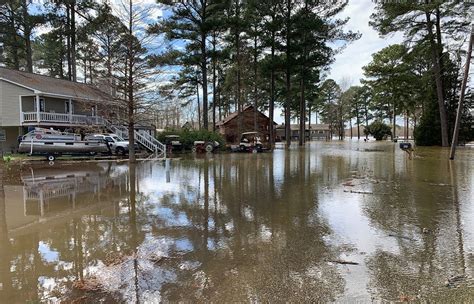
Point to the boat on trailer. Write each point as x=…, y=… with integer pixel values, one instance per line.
x=54, y=143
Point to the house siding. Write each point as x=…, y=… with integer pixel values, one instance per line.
x=10, y=103
x=27, y=103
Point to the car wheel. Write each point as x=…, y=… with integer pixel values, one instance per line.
x=242, y=148
x=120, y=151
x=194, y=149
x=209, y=148
x=51, y=157
x=255, y=150
x=92, y=153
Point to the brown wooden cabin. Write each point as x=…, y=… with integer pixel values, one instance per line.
x=229, y=127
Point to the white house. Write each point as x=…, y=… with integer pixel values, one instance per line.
x=28, y=100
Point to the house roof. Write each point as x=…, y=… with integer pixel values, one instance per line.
x=53, y=86
x=296, y=127
x=235, y=114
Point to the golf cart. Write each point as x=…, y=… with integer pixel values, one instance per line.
x=172, y=143
x=251, y=142
x=201, y=146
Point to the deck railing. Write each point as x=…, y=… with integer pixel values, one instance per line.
x=141, y=137
x=75, y=119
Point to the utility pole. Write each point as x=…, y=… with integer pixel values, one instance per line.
x=461, y=96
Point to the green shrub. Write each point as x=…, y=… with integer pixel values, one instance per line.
x=188, y=137
x=378, y=130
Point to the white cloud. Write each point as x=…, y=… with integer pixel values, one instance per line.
x=349, y=63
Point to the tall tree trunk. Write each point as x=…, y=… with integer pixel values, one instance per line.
x=439, y=81
x=288, y=77
x=457, y=123
x=366, y=122
x=394, y=135
x=68, y=42
x=205, y=110
x=198, y=105
x=131, y=101
x=27, y=37
x=255, y=82
x=341, y=124
x=85, y=69
x=214, y=79
x=14, y=49
x=239, y=80
x=90, y=70
x=73, y=40
x=407, y=126
x=301, y=139
x=271, y=106
x=309, y=122
x=255, y=85
x=357, y=121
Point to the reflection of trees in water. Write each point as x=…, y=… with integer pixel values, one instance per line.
x=5, y=279
x=239, y=228
x=427, y=230
x=46, y=260
x=256, y=242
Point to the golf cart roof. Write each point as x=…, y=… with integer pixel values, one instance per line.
x=248, y=133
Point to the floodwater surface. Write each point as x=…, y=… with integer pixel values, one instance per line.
x=333, y=222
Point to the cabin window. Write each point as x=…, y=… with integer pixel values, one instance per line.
x=42, y=104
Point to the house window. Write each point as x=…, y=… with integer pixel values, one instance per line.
x=42, y=104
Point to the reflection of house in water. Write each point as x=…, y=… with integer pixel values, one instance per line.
x=52, y=192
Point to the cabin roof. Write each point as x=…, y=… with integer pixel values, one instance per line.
x=236, y=114
x=53, y=86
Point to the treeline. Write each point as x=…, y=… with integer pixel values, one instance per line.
x=267, y=53
x=419, y=79
x=225, y=54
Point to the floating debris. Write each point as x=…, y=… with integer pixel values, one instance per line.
x=358, y=192
x=343, y=262
x=455, y=281
x=402, y=237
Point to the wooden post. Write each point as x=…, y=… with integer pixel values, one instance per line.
x=70, y=110
x=37, y=100
x=461, y=96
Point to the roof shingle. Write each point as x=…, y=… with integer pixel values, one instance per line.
x=54, y=86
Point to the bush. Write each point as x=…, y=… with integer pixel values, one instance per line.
x=378, y=130
x=188, y=137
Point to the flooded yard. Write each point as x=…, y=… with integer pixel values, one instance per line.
x=344, y=222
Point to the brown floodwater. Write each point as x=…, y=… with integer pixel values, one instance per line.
x=334, y=222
